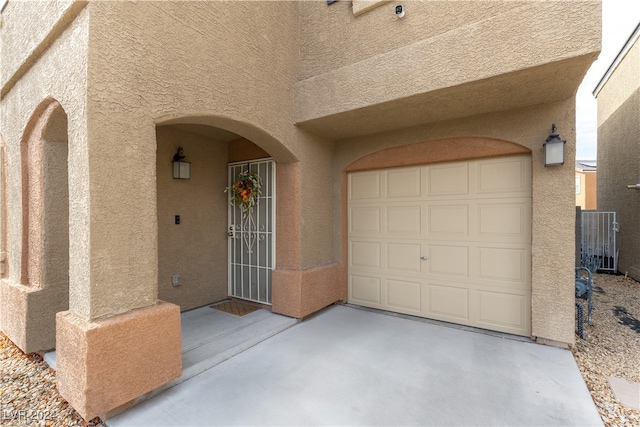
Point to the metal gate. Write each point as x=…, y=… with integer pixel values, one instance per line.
x=252, y=237
x=598, y=249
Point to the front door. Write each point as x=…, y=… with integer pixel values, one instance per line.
x=252, y=236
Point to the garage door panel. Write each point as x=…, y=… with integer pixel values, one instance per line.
x=472, y=220
x=404, y=257
x=447, y=301
x=365, y=254
x=403, y=182
x=364, y=186
x=502, y=309
x=447, y=260
x=365, y=290
x=503, y=264
x=403, y=220
x=448, y=180
x=364, y=220
x=449, y=220
x=403, y=295
x=508, y=175
x=503, y=219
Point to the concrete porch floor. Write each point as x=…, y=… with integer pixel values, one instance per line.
x=210, y=337
x=347, y=366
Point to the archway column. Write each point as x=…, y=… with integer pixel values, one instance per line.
x=298, y=292
x=117, y=341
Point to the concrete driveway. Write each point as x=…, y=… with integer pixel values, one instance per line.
x=347, y=366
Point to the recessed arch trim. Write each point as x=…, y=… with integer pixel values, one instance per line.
x=437, y=151
x=253, y=133
x=47, y=114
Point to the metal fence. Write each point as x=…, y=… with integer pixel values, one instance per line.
x=599, y=251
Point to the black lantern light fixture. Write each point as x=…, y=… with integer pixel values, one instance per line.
x=181, y=169
x=554, y=148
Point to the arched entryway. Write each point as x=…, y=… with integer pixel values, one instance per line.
x=207, y=249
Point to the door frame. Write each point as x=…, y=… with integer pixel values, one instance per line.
x=271, y=259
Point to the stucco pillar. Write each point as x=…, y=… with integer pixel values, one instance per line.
x=117, y=341
x=296, y=291
x=553, y=239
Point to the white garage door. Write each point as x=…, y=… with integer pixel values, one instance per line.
x=448, y=241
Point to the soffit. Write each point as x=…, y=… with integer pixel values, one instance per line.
x=538, y=85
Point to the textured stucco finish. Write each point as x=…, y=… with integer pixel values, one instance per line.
x=104, y=364
x=363, y=6
x=28, y=315
x=553, y=192
x=38, y=92
x=135, y=88
x=619, y=156
x=412, y=79
x=195, y=249
x=29, y=27
x=301, y=293
x=135, y=79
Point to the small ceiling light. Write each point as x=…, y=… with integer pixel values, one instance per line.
x=554, y=148
x=181, y=169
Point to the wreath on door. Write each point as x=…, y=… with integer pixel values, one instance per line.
x=245, y=191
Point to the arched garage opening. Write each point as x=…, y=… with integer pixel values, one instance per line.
x=442, y=230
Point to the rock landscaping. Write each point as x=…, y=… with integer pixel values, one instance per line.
x=611, y=347
x=28, y=394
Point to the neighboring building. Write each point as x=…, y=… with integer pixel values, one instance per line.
x=618, y=95
x=586, y=190
x=402, y=164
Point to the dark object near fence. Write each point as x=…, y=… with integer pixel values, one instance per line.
x=584, y=290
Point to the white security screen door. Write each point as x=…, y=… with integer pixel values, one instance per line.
x=252, y=236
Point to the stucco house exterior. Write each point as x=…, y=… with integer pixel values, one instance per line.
x=401, y=161
x=586, y=184
x=618, y=96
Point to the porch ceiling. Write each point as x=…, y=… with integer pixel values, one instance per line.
x=546, y=83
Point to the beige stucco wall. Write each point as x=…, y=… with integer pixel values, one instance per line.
x=352, y=85
x=59, y=73
x=620, y=86
x=142, y=74
x=195, y=249
x=553, y=193
x=619, y=156
x=28, y=28
x=382, y=73
x=244, y=81
x=587, y=197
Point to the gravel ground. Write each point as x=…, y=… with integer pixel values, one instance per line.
x=611, y=347
x=28, y=395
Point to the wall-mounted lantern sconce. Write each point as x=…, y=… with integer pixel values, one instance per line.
x=554, y=148
x=181, y=169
